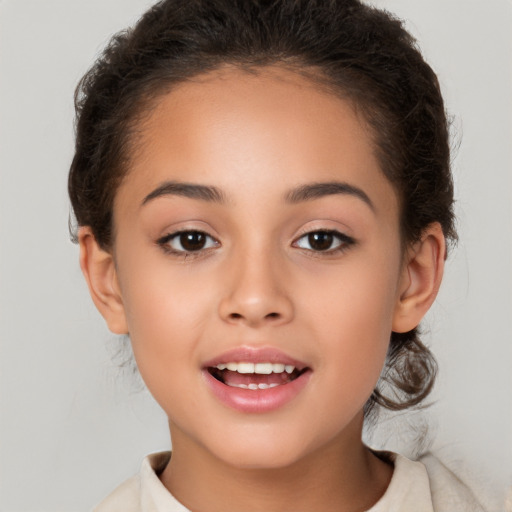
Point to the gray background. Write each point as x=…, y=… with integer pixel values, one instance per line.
x=72, y=424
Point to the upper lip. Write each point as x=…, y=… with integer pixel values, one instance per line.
x=248, y=354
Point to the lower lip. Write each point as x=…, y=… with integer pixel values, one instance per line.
x=257, y=400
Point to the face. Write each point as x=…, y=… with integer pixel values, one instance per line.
x=257, y=258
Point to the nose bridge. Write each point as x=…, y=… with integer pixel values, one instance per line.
x=256, y=292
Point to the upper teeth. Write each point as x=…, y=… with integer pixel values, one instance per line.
x=261, y=368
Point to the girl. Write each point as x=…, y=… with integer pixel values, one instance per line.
x=263, y=198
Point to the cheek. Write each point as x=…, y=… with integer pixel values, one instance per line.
x=352, y=313
x=166, y=313
x=357, y=295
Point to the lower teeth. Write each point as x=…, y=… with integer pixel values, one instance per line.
x=254, y=386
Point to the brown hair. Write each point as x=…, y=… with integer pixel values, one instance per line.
x=359, y=52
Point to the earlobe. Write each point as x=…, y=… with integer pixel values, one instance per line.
x=99, y=271
x=421, y=279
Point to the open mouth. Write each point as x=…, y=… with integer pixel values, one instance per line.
x=254, y=376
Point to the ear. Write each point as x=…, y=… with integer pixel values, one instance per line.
x=421, y=278
x=99, y=271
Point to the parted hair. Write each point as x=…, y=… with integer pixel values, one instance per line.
x=358, y=52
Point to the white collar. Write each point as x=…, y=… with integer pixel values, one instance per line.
x=408, y=490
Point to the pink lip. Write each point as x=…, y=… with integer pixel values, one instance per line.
x=257, y=400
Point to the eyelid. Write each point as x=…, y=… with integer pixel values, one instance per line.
x=163, y=242
x=345, y=241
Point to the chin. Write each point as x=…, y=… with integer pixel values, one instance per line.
x=256, y=452
x=258, y=460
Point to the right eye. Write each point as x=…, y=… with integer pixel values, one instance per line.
x=324, y=241
x=184, y=242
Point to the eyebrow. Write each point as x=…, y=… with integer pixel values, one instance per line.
x=297, y=195
x=317, y=190
x=191, y=190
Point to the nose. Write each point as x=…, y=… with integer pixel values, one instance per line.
x=255, y=293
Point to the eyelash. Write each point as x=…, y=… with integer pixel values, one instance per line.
x=344, y=242
x=165, y=241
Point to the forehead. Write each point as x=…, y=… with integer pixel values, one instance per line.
x=234, y=128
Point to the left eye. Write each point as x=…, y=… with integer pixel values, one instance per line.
x=323, y=241
x=188, y=241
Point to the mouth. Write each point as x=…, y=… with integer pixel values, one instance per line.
x=254, y=376
x=256, y=380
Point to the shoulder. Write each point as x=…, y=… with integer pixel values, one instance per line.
x=126, y=497
x=143, y=492
x=449, y=493
x=424, y=485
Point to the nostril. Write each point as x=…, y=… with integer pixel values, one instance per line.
x=238, y=316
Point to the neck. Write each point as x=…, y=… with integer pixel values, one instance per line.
x=343, y=476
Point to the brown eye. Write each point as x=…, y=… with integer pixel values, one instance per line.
x=187, y=241
x=320, y=241
x=324, y=241
x=192, y=240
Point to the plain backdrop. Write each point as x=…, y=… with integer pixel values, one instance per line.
x=74, y=425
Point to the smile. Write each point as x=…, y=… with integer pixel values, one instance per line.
x=256, y=380
x=253, y=376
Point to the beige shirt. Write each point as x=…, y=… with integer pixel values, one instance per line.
x=421, y=486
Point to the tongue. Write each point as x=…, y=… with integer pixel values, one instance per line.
x=234, y=378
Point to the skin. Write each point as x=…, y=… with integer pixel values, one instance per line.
x=259, y=284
